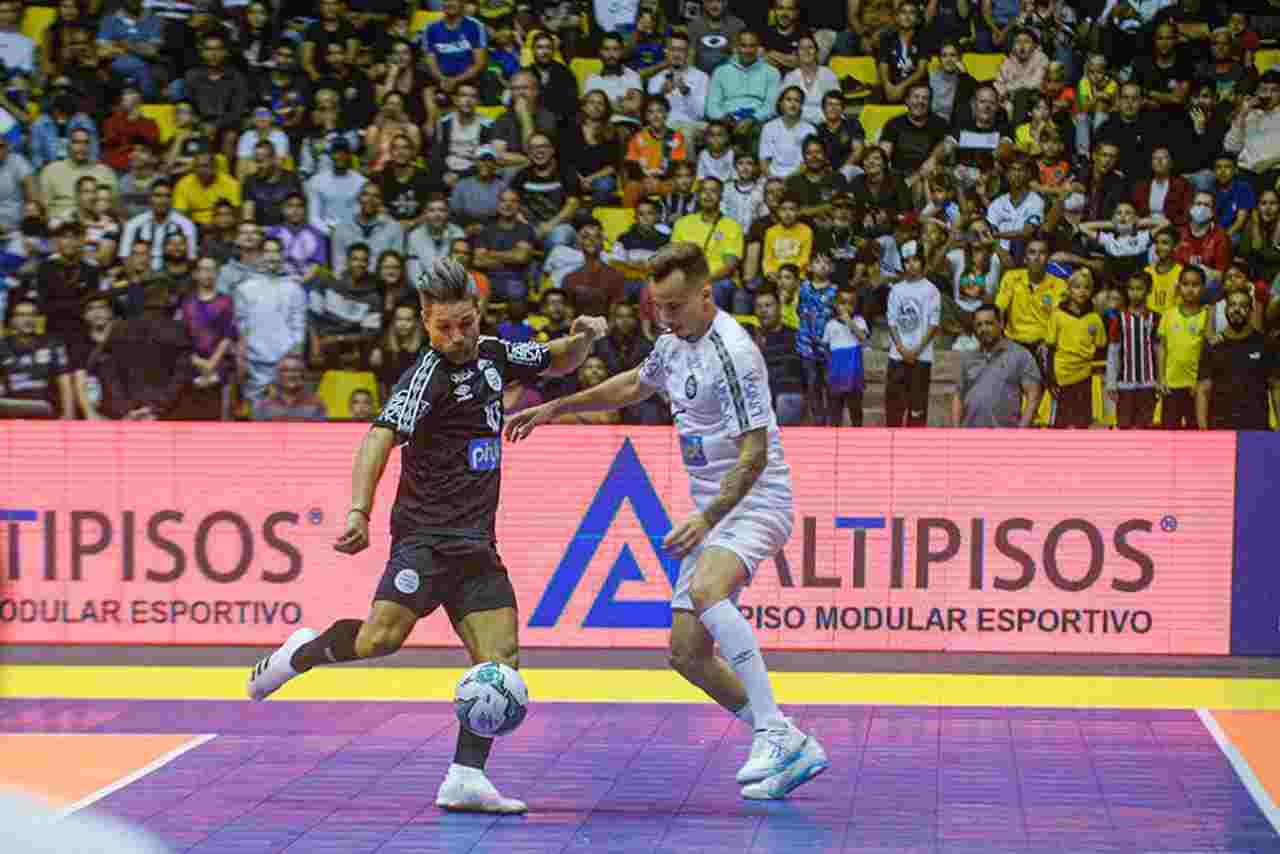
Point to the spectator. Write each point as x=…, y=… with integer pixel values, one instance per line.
x=405, y=187
x=685, y=87
x=157, y=224
x=744, y=91
x=360, y=405
x=86, y=355
x=201, y=190
x=271, y=315
x=1234, y=199
x=1000, y=385
x=899, y=58
x=1165, y=271
x=722, y=239
x=220, y=95
x=1021, y=74
x=712, y=33
x=455, y=48
x=1131, y=376
x=913, y=141
x=457, y=139
x=1260, y=244
x=815, y=306
x=504, y=249
x=1163, y=194
x=1075, y=335
x=1203, y=243
x=329, y=30
x=332, y=196
x=1166, y=74
x=345, y=315
x=596, y=287
x=357, y=101
x=782, y=138
x=306, y=250
x=461, y=251
x=1027, y=296
x=814, y=80
x=557, y=83
x=135, y=184
x=101, y=232
x=816, y=184
x=369, y=226
x=247, y=261
x=1135, y=133
x=525, y=116
x=474, y=199
x=842, y=346
x=281, y=76
x=147, y=360
x=401, y=345
x=218, y=241
x=432, y=239
x=980, y=140
x=1183, y=332
x=548, y=188
x=1239, y=375
x=63, y=281
x=914, y=315
x=880, y=193
x=127, y=127
x=288, y=398
x=1230, y=77
x=781, y=38
x=209, y=320
x=17, y=184
x=653, y=153
x=389, y=275
x=614, y=78
x=58, y=179
x=263, y=129
x=839, y=241
x=35, y=367
x=1125, y=239
x=267, y=188
x=133, y=39
x=178, y=266
x=951, y=86
x=778, y=345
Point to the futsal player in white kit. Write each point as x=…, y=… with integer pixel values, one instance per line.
x=716, y=379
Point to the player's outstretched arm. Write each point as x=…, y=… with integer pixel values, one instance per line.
x=371, y=461
x=617, y=392
x=568, y=353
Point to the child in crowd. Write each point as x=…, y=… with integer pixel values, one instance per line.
x=1075, y=335
x=1131, y=357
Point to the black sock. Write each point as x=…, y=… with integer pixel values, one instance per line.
x=336, y=644
x=472, y=750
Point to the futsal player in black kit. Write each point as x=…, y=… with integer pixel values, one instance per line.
x=446, y=412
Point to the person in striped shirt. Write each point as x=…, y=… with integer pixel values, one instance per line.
x=1131, y=357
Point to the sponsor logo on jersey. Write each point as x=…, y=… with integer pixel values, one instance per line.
x=692, y=451
x=525, y=353
x=493, y=378
x=484, y=454
x=462, y=376
x=407, y=581
x=462, y=392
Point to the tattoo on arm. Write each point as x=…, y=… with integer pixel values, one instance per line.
x=738, y=482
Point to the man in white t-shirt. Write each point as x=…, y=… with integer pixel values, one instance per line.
x=718, y=384
x=614, y=79
x=915, y=312
x=685, y=89
x=1018, y=213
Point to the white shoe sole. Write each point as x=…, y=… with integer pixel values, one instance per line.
x=263, y=684
x=502, y=806
x=812, y=763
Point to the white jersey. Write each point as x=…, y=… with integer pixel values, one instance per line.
x=719, y=390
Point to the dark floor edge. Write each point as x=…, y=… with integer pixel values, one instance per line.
x=782, y=661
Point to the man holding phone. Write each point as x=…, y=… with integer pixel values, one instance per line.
x=1255, y=133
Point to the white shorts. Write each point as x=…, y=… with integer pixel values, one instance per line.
x=755, y=531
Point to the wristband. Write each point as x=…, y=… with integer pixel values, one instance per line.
x=364, y=513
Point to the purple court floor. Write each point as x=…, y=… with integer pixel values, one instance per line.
x=347, y=777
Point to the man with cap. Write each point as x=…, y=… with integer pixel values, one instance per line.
x=333, y=194
x=840, y=239
x=474, y=199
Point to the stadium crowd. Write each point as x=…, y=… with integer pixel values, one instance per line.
x=216, y=210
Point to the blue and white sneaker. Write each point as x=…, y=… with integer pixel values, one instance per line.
x=812, y=762
x=772, y=750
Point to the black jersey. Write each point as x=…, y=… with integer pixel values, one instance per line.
x=448, y=418
x=30, y=371
x=1241, y=370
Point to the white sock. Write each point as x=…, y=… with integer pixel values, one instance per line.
x=738, y=644
x=745, y=715
x=464, y=772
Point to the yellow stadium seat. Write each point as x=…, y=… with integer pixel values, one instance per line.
x=491, y=112
x=336, y=388
x=423, y=19
x=860, y=68
x=983, y=66
x=36, y=20
x=1265, y=59
x=162, y=115
x=875, y=116
x=583, y=69
x=614, y=221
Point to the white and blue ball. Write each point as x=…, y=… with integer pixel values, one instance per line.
x=491, y=699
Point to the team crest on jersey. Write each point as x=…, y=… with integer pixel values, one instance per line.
x=493, y=378
x=462, y=392
x=691, y=387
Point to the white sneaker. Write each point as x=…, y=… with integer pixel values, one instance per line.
x=812, y=762
x=471, y=791
x=772, y=750
x=276, y=669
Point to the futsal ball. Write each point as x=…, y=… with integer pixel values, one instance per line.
x=491, y=699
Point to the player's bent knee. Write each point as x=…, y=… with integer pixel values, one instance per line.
x=685, y=658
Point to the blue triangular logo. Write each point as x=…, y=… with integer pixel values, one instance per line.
x=626, y=480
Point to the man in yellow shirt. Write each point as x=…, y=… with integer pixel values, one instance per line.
x=1028, y=295
x=200, y=190
x=1165, y=272
x=721, y=241
x=1183, y=332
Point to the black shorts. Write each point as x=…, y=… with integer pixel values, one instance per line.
x=427, y=571
x=1075, y=405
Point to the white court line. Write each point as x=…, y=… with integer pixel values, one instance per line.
x=1242, y=769
x=154, y=765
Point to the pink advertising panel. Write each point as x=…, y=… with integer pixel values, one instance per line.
x=1096, y=542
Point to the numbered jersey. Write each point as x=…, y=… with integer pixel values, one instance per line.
x=719, y=390
x=448, y=420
